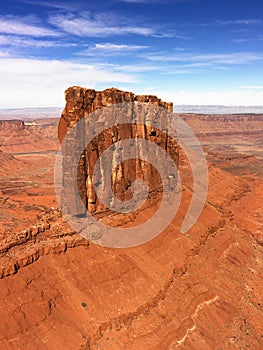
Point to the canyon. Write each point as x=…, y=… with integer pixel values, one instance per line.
x=192, y=291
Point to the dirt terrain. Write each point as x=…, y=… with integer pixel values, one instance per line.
x=195, y=291
x=27, y=157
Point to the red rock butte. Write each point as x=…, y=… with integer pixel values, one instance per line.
x=80, y=103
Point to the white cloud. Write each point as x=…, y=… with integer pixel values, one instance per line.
x=180, y=49
x=20, y=26
x=99, y=25
x=54, y=4
x=111, y=49
x=41, y=83
x=239, y=21
x=240, y=40
x=37, y=83
x=137, y=68
x=226, y=98
x=21, y=41
x=118, y=47
x=209, y=59
x=4, y=54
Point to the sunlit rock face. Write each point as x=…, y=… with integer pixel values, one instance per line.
x=89, y=111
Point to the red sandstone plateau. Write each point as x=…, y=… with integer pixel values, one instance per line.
x=195, y=291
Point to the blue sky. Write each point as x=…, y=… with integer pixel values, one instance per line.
x=185, y=51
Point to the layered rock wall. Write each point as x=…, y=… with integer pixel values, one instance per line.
x=14, y=124
x=80, y=104
x=224, y=124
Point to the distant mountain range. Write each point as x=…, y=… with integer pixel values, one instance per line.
x=55, y=112
x=30, y=113
x=217, y=109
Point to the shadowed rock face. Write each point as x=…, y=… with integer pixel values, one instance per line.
x=80, y=104
x=12, y=124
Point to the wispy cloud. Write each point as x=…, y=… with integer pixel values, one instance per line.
x=20, y=26
x=138, y=68
x=180, y=49
x=66, y=6
x=23, y=41
x=209, y=59
x=240, y=40
x=172, y=34
x=239, y=22
x=252, y=39
x=161, y=2
x=214, y=97
x=99, y=25
x=117, y=47
x=111, y=49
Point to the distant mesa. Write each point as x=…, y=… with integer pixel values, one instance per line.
x=18, y=136
x=13, y=124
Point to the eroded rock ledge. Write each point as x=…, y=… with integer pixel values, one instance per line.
x=51, y=235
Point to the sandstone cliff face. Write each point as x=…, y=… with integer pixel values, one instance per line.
x=80, y=103
x=12, y=124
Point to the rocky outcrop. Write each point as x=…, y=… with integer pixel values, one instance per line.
x=14, y=124
x=80, y=103
x=18, y=137
x=44, y=238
